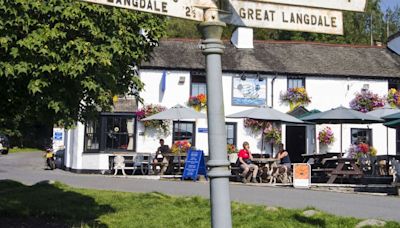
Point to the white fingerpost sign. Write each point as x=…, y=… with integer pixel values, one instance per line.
x=274, y=16
x=348, y=5
x=174, y=8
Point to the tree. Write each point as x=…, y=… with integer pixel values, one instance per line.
x=63, y=60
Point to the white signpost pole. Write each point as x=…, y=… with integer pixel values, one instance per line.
x=212, y=48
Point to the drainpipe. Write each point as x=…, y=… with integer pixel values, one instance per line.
x=272, y=105
x=272, y=90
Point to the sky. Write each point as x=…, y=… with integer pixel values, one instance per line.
x=389, y=4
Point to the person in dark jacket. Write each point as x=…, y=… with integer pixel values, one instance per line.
x=284, y=158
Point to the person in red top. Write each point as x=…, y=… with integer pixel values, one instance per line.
x=245, y=157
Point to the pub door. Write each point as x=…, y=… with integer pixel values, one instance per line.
x=296, y=142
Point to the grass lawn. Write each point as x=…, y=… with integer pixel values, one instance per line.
x=18, y=150
x=58, y=205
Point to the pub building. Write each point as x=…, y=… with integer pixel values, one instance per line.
x=330, y=73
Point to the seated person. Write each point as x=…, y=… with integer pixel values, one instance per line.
x=160, y=158
x=284, y=158
x=244, y=158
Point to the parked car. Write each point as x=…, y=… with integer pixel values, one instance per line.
x=4, y=144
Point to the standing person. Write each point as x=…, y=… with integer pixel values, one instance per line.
x=245, y=157
x=160, y=158
x=284, y=158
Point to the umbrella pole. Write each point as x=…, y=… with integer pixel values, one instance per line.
x=262, y=143
x=341, y=140
x=387, y=150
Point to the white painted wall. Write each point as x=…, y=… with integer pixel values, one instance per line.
x=74, y=147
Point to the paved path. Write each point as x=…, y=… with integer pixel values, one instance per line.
x=28, y=168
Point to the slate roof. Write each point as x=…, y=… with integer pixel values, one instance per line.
x=282, y=57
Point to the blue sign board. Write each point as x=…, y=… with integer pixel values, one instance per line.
x=202, y=130
x=58, y=135
x=194, y=165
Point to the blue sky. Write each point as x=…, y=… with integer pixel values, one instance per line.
x=389, y=3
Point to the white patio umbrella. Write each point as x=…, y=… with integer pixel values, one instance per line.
x=177, y=112
x=342, y=115
x=267, y=114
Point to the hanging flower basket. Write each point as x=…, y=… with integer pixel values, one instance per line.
x=393, y=98
x=273, y=135
x=325, y=136
x=366, y=101
x=256, y=125
x=180, y=147
x=198, y=102
x=149, y=110
x=295, y=97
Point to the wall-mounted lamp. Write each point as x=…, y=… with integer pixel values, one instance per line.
x=181, y=80
x=365, y=87
x=260, y=79
x=243, y=76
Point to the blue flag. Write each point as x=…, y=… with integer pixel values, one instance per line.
x=163, y=80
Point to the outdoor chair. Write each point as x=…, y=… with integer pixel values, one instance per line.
x=119, y=163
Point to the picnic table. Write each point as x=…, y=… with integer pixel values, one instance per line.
x=176, y=160
x=261, y=162
x=317, y=158
x=265, y=167
x=342, y=167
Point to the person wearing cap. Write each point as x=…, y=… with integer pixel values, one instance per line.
x=245, y=161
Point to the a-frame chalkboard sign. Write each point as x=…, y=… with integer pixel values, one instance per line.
x=194, y=165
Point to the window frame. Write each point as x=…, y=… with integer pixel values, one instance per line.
x=303, y=81
x=103, y=118
x=184, y=122
x=393, y=83
x=197, y=77
x=98, y=134
x=363, y=129
x=234, y=124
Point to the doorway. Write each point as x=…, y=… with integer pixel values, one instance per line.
x=296, y=142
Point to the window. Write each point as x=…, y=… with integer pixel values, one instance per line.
x=294, y=82
x=394, y=84
x=184, y=131
x=118, y=132
x=92, y=136
x=198, y=83
x=361, y=136
x=231, y=133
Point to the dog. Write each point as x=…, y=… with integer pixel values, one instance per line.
x=382, y=168
x=395, y=170
x=274, y=173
